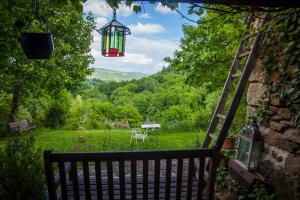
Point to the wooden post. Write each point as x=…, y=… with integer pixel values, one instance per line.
x=49, y=175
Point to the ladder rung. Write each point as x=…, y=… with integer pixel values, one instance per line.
x=221, y=116
x=212, y=137
x=244, y=54
x=236, y=75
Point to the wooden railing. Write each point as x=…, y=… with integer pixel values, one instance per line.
x=131, y=175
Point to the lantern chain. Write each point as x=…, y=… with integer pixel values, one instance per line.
x=114, y=13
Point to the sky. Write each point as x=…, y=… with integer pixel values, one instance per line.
x=155, y=34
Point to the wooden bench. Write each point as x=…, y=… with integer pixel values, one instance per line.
x=20, y=127
x=131, y=175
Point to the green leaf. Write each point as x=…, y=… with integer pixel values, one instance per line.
x=137, y=8
x=128, y=2
x=190, y=11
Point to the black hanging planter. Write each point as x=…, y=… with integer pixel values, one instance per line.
x=37, y=45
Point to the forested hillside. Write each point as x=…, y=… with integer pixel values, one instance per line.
x=163, y=98
x=113, y=75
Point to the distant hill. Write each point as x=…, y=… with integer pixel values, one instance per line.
x=113, y=75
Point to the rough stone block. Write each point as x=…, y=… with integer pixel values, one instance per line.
x=294, y=146
x=285, y=113
x=291, y=71
x=257, y=74
x=293, y=134
x=278, y=140
x=277, y=126
x=292, y=163
x=275, y=101
x=276, y=118
x=262, y=129
x=275, y=155
x=275, y=75
x=288, y=123
x=255, y=92
x=250, y=110
x=273, y=109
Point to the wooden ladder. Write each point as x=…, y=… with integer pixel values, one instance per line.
x=221, y=116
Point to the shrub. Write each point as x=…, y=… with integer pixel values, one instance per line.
x=129, y=113
x=178, y=126
x=59, y=108
x=21, y=171
x=55, y=117
x=176, y=113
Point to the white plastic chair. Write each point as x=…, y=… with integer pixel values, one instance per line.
x=135, y=134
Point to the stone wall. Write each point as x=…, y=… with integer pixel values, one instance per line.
x=280, y=161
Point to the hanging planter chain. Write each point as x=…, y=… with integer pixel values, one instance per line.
x=37, y=45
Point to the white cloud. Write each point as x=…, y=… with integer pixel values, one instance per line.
x=136, y=58
x=95, y=53
x=101, y=21
x=124, y=10
x=140, y=28
x=145, y=16
x=163, y=9
x=101, y=8
x=97, y=7
x=96, y=36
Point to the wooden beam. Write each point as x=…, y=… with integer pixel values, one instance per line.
x=259, y=3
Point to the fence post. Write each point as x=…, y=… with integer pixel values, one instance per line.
x=212, y=172
x=49, y=175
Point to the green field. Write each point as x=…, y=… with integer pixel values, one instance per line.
x=116, y=140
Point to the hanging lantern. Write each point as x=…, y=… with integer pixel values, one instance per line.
x=249, y=148
x=113, y=38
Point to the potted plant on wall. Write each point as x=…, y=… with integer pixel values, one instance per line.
x=229, y=142
x=37, y=44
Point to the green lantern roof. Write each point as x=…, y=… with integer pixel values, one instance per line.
x=115, y=23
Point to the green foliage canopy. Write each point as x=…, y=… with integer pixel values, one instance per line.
x=69, y=64
x=206, y=50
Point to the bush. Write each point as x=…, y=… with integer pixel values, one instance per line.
x=21, y=171
x=129, y=113
x=178, y=126
x=176, y=113
x=55, y=117
x=59, y=108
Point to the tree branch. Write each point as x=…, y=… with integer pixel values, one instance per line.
x=185, y=17
x=216, y=9
x=180, y=13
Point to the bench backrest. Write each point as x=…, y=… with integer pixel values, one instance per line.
x=123, y=175
x=17, y=126
x=13, y=126
x=24, y=124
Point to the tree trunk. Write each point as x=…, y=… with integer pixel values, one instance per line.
x=15, y=103
x=15, y=100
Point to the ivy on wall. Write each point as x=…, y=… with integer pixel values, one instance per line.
x=281, y=58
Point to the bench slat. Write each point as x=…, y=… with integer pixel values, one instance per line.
x=20, y=126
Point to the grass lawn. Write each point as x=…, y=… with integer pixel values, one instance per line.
x=117, y=140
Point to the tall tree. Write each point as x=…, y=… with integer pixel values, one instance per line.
x=206, y=50
x=69, y=64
